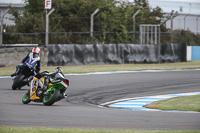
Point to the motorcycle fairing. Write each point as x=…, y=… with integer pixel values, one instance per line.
x=34, y=87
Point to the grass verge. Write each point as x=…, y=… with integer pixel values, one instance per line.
x=4, y=129
x=7, y=71
x=185, y=103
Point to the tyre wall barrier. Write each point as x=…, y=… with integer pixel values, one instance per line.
x=88, y=54
x=75, y=54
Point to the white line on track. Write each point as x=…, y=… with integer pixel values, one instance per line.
x=118, y=72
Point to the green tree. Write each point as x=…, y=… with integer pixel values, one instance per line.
x=70, y=22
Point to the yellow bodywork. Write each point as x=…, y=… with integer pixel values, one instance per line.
x=34, y=87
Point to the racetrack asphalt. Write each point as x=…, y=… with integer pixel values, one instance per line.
x=86, y=92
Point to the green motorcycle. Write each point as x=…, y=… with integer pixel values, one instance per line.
x=56, y=88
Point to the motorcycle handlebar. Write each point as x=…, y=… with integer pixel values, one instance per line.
x=46, y=74
x=50, y=74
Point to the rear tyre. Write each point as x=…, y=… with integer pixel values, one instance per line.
x=17, y=81
x=26, y=98
x=51, y=97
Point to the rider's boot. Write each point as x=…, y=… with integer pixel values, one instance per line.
x=45, y=85
x=16, y=72
x=40, y=92
x=65, y=94
x=29, y=80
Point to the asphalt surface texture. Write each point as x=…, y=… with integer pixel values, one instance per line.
x=80, y=109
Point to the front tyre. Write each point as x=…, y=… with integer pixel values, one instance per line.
x=26, y=98
x=51, y=97
x=17, y=81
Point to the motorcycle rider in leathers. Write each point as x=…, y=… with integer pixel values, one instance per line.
x=33, y=59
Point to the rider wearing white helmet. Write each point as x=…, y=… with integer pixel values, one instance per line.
x=33, y=59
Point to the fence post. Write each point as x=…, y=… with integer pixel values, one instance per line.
x=92, y=22
x=138, y=11
x=1, y=34
x=185, y=19
x=47, y=26
x=197, y=24
x=172, y=18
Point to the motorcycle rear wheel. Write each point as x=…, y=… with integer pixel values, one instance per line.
x=26, y=98
x=52, y=97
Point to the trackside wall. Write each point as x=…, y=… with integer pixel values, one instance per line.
x=75, y=54
x=88, y=54
x=12, y=56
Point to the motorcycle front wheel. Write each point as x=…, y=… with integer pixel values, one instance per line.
x=17, y=81
x=51, y=97
x=26, y=98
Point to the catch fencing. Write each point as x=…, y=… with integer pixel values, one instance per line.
x=106, y=31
